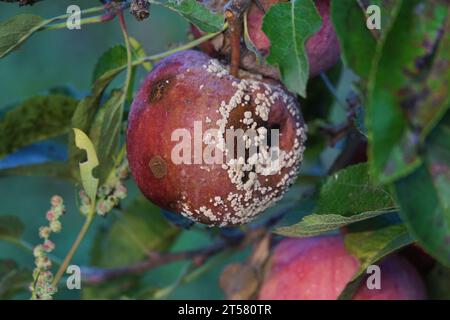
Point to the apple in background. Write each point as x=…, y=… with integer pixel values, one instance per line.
x=191, y=94
x=319, y=268
x=322, y=48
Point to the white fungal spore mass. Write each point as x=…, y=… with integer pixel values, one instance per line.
x=251, y=175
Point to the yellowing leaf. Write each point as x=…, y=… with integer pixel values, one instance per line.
x=90, y=183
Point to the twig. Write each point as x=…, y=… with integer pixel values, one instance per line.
x=94, y=275
x=234, y=10
x=186, y=46
x=83, y=22
x=235, y=41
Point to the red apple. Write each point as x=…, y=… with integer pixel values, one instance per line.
x=319, y=268
x=178, y=123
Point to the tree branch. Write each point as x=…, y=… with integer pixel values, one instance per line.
x=94, y=275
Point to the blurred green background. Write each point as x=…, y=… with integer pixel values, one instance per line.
x=67, y=57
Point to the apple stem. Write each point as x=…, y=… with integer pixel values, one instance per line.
x=235, y=41
x=234, y=11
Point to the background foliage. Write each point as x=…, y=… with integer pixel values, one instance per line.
x=390, y=94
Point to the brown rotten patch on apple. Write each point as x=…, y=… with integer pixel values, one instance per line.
x=191, y=93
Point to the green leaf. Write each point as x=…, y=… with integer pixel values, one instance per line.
x=36, y=119
x=105, y=133
x=424, y=196
x=348, y=196
x=315, y=224
x=398, y=88
x=106, y=70
x=356, y=41
x=16, y=30
x=85, y=113
x=104, y=80
x=196, y=13
x=437, y=101
x=370, y=241
x=352, y=191
x=89, y=182
x=11, y=228
x=140, y=230
x=111, y=59
x=13, y=279
x=288, y=26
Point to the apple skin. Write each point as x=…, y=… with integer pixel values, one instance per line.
x=189, y=86
x=319, y=268
x=400, y=280
x=322, y=48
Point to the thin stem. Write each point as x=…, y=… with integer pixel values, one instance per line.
x=82, y=12
x=159, y=56
x=186, y=46
x=129, y=55
x=84, y=21
x=41, y=26
x=235, y=24
x=73, y=249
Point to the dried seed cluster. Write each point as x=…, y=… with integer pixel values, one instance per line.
x=41, y=288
